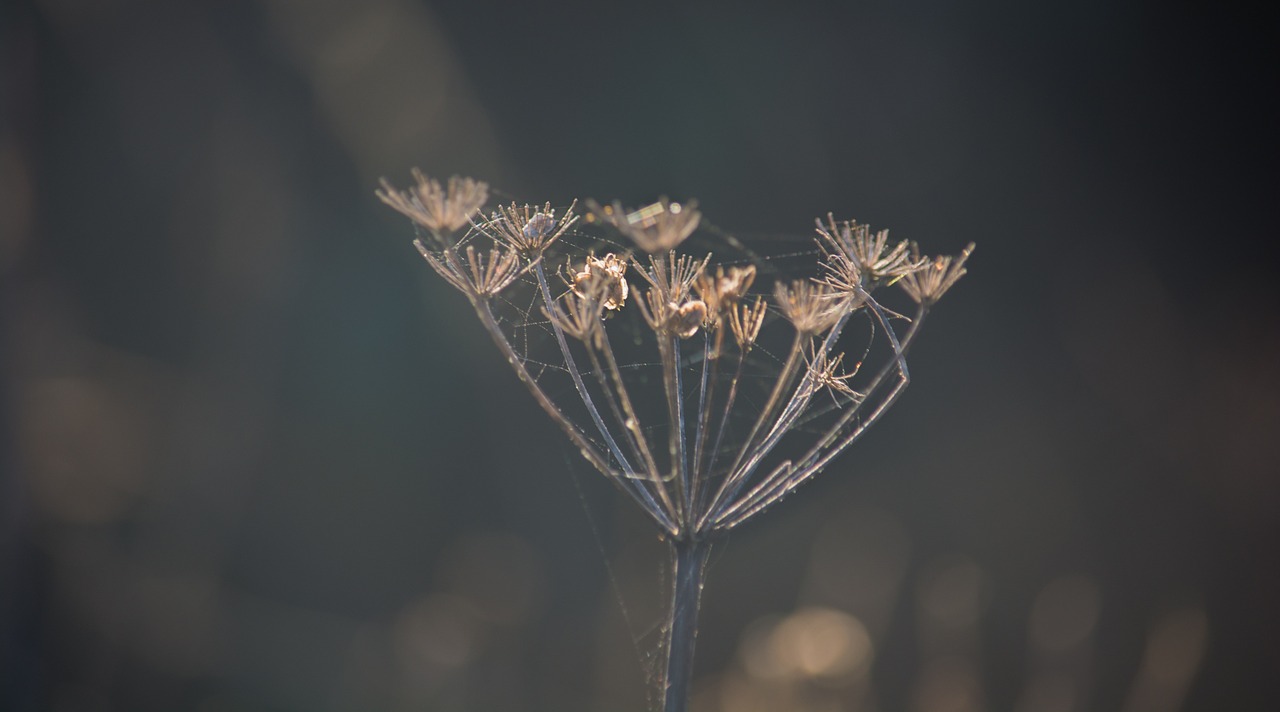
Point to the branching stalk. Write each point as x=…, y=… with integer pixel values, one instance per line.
x=549, y=303
x=685, y=496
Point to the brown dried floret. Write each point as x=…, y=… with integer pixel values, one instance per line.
x=527, y=229
x=673, y=276
x=686, y=318
x=479, y=275
x=854, y=256
x=658, y=227
x=745, y=322
x=442, y=210
x=927, y=285
x=669, y=317
x=810, y=307
x=722, y=291
x=604, y=276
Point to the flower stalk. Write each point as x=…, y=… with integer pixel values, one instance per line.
x=688, y=560
x=740, y=435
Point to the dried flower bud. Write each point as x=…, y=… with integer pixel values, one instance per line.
x=604, y=277
x=722, y=291
x=685, y=319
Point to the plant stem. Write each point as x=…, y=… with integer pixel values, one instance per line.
x=688, y=565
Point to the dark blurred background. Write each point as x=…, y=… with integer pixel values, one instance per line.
x=257, y=457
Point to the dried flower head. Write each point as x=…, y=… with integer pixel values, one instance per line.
x=479, y=276
x=605, y=276
x=745, y=322
x=723, y=290
x=655, y=228
x=854, y=255
x=672, y=275
x=527, y=229
x=928, y=284
x=699, y=448
x=443, y=211
x=665, y=316
x=811, y=307
x=579, y=314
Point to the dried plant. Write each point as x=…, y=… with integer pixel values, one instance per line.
x=711, y=434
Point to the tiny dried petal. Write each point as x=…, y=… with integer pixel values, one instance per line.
x=686, y=318
x=722, y=291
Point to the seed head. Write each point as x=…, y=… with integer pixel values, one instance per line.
x=673, y=275
x=724, y=290
x=443, y=211
x=669, y=317
x=811, y=307
x=854, y=255
x=654, y=228
x=927, y=285
x=824, y=371
x=480, y=276
x=603, y=276
x=745, y=322
x=527, y=229
x=578, y=315
x=686, y=318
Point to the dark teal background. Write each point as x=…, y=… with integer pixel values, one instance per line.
x=248, y=438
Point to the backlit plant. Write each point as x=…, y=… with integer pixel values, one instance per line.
x=704, y=395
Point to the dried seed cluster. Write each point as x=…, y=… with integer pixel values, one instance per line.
x=726, y=426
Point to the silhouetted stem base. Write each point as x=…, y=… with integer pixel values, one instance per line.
x=688, y=564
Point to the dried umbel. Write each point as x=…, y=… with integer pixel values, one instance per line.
x=441, y=210
x=855, y=256
x=604, y=276
x=930, y=282
x=525, y=229
x=655, y=228
x=689, y=384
